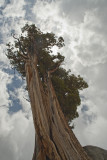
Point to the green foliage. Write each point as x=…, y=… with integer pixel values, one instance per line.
x=67, y=86
x=67, y=90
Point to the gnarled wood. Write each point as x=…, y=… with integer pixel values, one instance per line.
x=54, y=139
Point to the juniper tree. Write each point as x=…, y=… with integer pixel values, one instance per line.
x=50, y=87
x=66, y=85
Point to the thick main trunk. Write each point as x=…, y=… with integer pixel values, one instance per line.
x=54, y=139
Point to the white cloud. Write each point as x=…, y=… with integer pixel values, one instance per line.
x=91, y=133
x=1, y=2
x=16, y=136
x=5, y=79
x=3, y=58
x=22, y=95
x=14, y=9
x=16, y=130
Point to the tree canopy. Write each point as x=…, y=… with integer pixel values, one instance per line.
x=66, y=85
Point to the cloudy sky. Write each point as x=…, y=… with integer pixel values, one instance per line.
x=82, y=23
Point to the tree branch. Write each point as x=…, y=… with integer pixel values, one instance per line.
x=22, y=55
x=53, y=70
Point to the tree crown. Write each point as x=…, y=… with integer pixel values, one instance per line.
x=67, y=86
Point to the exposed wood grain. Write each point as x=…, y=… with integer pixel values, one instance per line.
x=54, y=138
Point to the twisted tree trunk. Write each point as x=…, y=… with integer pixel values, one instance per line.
x=54, y=140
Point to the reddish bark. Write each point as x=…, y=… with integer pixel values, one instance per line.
x=54, y=140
